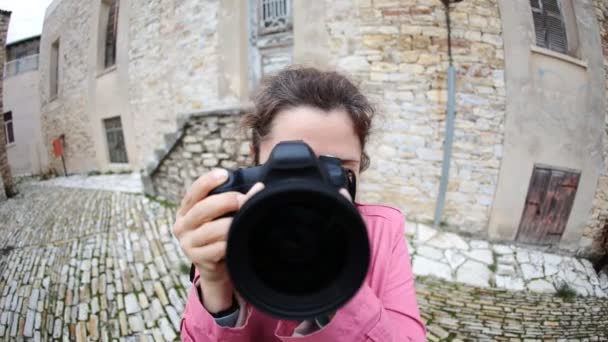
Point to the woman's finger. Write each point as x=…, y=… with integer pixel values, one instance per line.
x=211, y=253
x=209, y=209
x=209, y=233
x=201, y=188
x=257, y=187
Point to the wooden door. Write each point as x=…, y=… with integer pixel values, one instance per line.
x=548, y=204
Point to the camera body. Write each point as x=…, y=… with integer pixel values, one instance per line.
x=292, y=161
x=298, y=249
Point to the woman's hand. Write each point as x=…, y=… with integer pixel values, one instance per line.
x=202, y=233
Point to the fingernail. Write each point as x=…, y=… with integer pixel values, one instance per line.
x=255, y=188
x=220, y=174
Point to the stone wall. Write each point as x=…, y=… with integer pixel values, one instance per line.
x=6, y=185
x=67, y=21
x=397, y=52
x=597, y=228
x=169, y=61
x=173, y=66
x=207, y=140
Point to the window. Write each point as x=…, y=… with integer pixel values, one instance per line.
x=8, y=128
x=115, y=140
x=275, y=16
x=271, y=37
x=549, y=25
x=109, y=30
x=54, y=74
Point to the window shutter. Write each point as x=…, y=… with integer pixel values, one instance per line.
x=111, y=31
x=539, y=28
x=539, y=22
x=535, y=4
x=556, y=31
x=556, y=37
x=549, y=25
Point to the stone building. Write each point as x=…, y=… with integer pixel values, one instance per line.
x=528, y=160
x=6, y=181
x=26, y=152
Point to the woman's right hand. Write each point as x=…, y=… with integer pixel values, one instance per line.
x=202, y=233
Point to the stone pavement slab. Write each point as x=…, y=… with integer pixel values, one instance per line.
x=480, y=263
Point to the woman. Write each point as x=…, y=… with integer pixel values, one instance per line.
x=325, y=110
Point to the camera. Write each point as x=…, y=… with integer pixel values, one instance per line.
x=298, y=249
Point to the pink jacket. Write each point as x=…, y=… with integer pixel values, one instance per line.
x=383, y=310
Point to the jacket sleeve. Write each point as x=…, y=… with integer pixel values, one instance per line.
x=198, y=324
x=393, y=316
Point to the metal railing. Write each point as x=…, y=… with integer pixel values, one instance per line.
x=21, y=65
x=275, y=15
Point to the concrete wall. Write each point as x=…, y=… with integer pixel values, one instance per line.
x=21, y=93
x=108, y=90
x=595, y=235
x=70, y=112
x=397, y=52
x=555, y=116
x=6, y=186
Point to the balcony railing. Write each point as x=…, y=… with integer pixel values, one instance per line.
x=21, y=65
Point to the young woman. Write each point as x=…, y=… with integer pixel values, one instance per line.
x=328, y=112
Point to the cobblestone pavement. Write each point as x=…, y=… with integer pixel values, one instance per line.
x=79, y=264
x=484, y=264
x=130, y=182
x=460, y=312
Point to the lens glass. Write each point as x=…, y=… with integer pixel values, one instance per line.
x=300, y=248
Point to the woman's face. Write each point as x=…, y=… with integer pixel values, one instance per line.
x=327, y=133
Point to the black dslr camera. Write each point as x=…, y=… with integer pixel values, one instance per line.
x=298, y=249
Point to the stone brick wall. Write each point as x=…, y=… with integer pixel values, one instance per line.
x=397, y=52
x=208, y=140
x=597, y=228
x=173, y=66
x=6, y=185
x=67, y=114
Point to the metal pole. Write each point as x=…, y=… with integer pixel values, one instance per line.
x=449, y=127
x=447, y=150
x=65, y=171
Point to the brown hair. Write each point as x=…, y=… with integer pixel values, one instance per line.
x=300, y=86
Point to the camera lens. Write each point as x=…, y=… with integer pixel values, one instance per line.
x=300, y=249
x=297, y=250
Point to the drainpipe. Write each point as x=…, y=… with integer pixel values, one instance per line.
x=449, y=126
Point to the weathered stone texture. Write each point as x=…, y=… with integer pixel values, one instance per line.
x=210, y=140
x=173, y=66
x=597, y=227
x=397, y=52
x=6, y=184
x=67, y=114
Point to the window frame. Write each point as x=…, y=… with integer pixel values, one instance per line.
x=544, y=13
x=6, y=123
x=107, y=122
x=55, y=69
x=110, y=36
x=288, y=16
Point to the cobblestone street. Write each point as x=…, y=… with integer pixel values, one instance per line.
x=78, y=264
